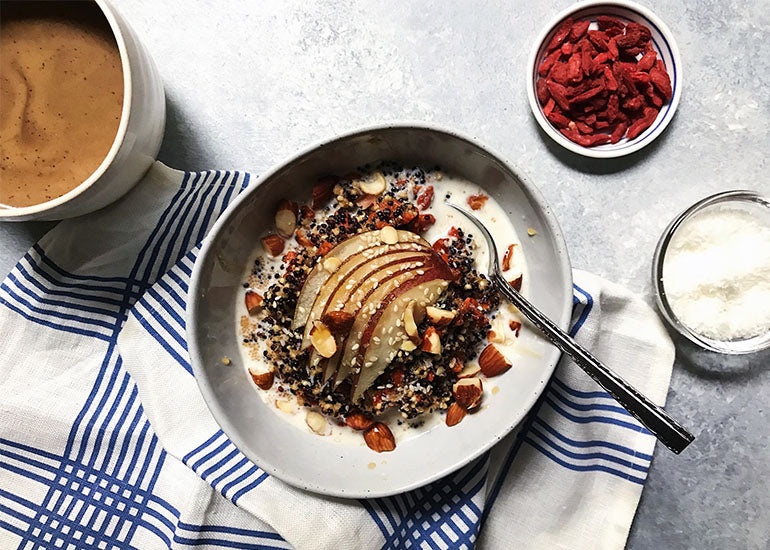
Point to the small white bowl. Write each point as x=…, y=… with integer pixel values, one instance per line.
x=663, y=42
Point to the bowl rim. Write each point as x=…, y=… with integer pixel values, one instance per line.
x=750, y=345
x=531, y=81
x=207, y=253
x=8, y=214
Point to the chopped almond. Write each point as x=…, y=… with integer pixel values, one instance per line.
x=316, y=422
x=455, y=414
x=389, y=235
x=331, y=264
x=263, y=379
x=477, y=201
x=322, y=191
x=408, y=345
x=374, y=184
x=439, y=317
x=470, y=370
x=284, y=405
x=492, y=362
x=253, y=301
x=359, y=421
x=431, y=341
x=516, y=283
x=303, y=239
x=338, y=322
x=515, y=326
x=306, y=212
x=273, y=244
x=286, y=218
x=322, y=340
x=467, y=392
x=366, y=201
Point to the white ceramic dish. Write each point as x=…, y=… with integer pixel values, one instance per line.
x=136, y=143
x=663, y=42
x=751, y=202
x=317, y=463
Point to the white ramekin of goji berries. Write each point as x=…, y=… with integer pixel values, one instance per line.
x=604, y=78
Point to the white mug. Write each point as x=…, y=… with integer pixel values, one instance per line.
x=136, y=143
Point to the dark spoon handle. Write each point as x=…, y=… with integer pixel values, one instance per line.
x=666, y=429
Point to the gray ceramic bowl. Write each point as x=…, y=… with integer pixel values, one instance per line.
x=316, y=463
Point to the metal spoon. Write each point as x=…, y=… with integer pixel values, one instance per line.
x=666, y=429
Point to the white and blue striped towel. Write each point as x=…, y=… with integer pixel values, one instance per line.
x=105, y=441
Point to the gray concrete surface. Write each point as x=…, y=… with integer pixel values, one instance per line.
x=248, y=83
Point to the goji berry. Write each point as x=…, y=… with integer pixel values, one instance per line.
x=559, y=94
x=661, y=80
x=549, y=107
x=425, y=198
x=584, y=128
x=642, y=123
x=601, y=124
x=612, y=48
x=542, y=91
x=645, y=33
x=586, y=52
x=574, y=71
x=618, y=132
x=566, y=48
x=548, y=62
x=477, y=201
x=558, y=119
x=598, y=39
x=609, y=78
x=605, y=22
x=633, y=104
x=578, y=29
x=561, y=34
x=585, y=96
x=558, y=73
x=324, y=248
x=647, y=61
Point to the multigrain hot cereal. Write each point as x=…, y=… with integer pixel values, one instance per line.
x=366, y=307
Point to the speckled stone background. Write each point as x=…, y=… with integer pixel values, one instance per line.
x=248, y=83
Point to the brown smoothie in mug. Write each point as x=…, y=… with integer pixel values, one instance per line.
x=61, y=97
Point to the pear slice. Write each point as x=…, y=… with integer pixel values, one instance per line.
x=353, y=272
x=384, y=335
x=318, y=275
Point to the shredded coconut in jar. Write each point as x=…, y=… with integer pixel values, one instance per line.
x=716, y=272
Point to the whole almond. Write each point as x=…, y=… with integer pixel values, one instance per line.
x=492, y=362
x=455, y=414
x=379, y=438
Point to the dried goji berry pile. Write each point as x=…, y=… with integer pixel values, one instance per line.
x=598, y=86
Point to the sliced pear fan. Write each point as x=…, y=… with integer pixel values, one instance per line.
x=318, y=275
x=354, y=271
